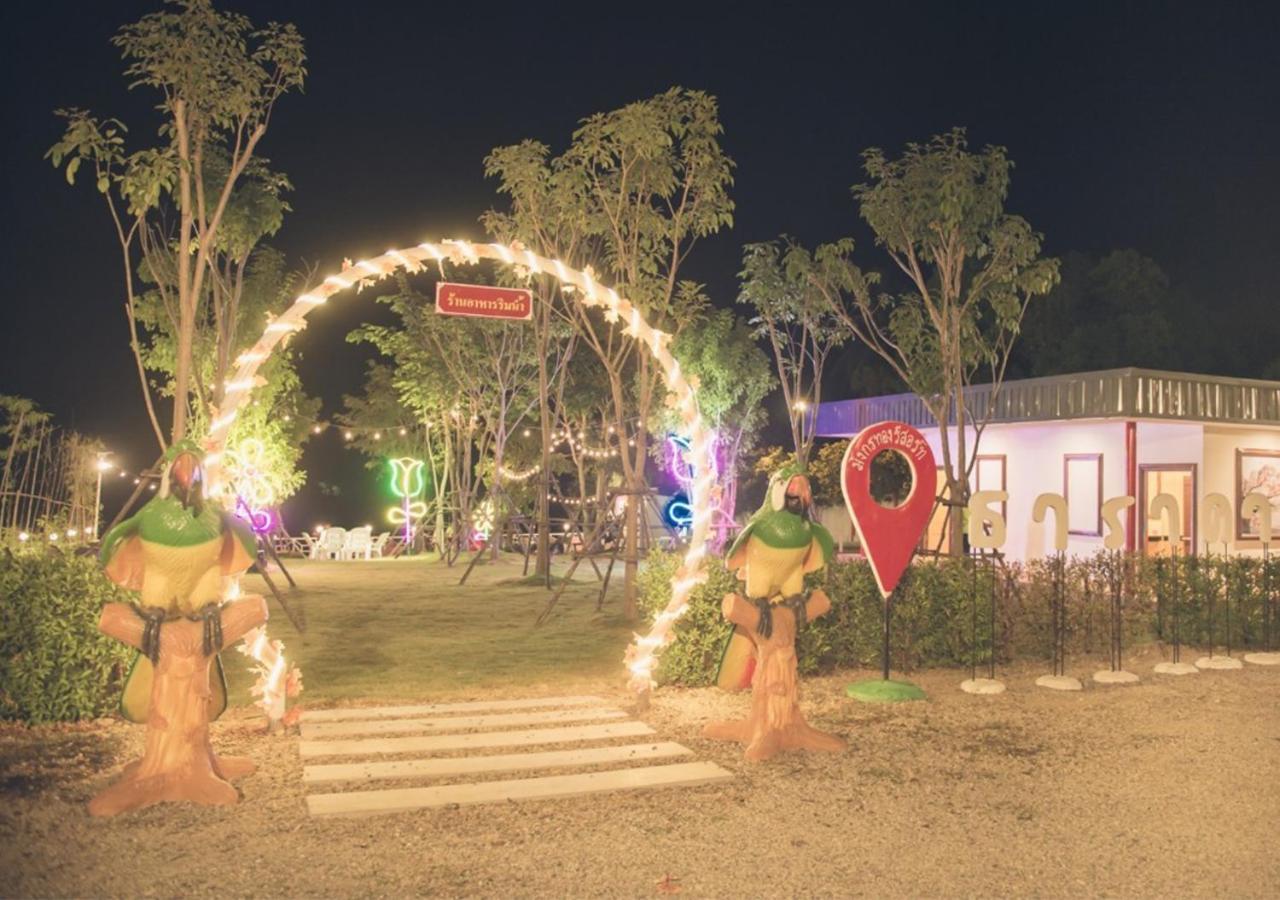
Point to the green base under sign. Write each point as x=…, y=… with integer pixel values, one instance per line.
x=882, y=691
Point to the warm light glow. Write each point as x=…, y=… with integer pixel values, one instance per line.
x=71, y=532
x=103, y=465
x=800, y=405
x=640, y=658
x=23, y=536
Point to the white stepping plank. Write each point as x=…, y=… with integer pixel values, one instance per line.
x=456, y=723
x=390, y=712
x=363, y=803
x=507, y=762
x=433, y=742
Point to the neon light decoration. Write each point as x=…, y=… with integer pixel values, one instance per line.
x=482, y=520
x=250, y=485
x=408, y=480
x=678, y=512
x=641, y=658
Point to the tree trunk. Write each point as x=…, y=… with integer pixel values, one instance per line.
x=775, y=722
x=178, y=762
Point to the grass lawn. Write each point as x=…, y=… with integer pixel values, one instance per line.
x=402, y=629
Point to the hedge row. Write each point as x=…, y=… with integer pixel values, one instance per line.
x=55, y=666
x=934, y=612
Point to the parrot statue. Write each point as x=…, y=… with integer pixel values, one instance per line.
x=779, y=545
x=175, y=553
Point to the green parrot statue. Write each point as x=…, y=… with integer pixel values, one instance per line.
x=175, y=553
x=772, y=554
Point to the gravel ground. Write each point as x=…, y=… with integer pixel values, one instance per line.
x=1170, y=787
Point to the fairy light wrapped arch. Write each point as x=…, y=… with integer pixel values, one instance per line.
x=641, y=657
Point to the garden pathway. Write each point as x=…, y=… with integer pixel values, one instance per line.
x=582, y=746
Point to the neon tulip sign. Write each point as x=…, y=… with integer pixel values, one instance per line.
x=408, y=481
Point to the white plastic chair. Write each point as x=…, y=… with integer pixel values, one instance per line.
x=330, y=544
x=359, y=543
x=379, y=543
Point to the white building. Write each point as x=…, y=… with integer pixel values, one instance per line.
x=1098, y=435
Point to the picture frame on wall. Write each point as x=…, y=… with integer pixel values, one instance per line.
x=1082, y=486
x=1256, y=471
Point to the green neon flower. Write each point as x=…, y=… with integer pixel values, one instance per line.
x=407, y=476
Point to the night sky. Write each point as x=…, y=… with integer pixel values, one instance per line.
x=1131, y=127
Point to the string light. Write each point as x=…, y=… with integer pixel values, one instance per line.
x=640, y=658
x=508, y=475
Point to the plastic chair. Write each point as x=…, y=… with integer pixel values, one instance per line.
x=379, y=543
x=359, y=543
x=330, y=544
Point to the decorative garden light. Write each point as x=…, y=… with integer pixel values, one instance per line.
x=640, y=658
x=483, y=520
x=250, y=485
x=408, y=480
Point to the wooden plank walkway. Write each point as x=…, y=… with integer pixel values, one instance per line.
x=506, y=762
x=354, y=803
x=577, y=732
x=456, y=723
x=471, y=740
x=385, y=712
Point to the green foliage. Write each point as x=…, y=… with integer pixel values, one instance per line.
x=55, y=665
x=1103, y=314
x=701, y=633
x=933, y=612
x=801, y=326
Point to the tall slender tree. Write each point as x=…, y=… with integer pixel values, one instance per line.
x=219, y=79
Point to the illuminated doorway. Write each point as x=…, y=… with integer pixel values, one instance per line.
x=1178, y=480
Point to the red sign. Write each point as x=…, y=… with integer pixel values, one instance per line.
x=889, y=535
x=483, y=301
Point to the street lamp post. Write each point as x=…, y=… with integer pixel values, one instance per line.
x=102, y=466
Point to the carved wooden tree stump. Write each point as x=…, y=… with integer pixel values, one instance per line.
x=178, y=762
x=775, y=722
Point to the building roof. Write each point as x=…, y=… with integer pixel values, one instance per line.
x=1110, y=394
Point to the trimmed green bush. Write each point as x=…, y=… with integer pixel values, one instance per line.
x=933, y=612
x=55, y=666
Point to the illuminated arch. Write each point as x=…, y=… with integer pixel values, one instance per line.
x=641, y=657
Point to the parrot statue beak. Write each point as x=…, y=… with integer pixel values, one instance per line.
x=186, y=482
x=799, y=496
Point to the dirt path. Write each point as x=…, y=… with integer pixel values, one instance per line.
x=1171, y=787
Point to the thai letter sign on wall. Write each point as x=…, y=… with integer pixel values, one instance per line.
x=482, y=301
x=889, y=535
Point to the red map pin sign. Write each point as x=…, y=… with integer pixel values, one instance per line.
x=889, y=535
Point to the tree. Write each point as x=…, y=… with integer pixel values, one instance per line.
x=219, y=79
x=485, y=369
x=636, y=189
x=1103, y=314
x=733, y=376
x=970, y=271
x=801, y=327
x=543, y=214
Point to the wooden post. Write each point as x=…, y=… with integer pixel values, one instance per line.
x=775, y=722
x=178, y=762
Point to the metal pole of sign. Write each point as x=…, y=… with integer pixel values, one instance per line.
x=991, y=658
x=1212, y=591
x=1060, y=615
x=1117, y=611
x=1177, y=603
x=1226, y=591
x=973, y=624
x=1266, y=597
x=884, y=654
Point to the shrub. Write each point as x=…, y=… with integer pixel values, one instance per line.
x=933, y=614
x=55, y=665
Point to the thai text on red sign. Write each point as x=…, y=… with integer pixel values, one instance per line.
x=483, y=301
